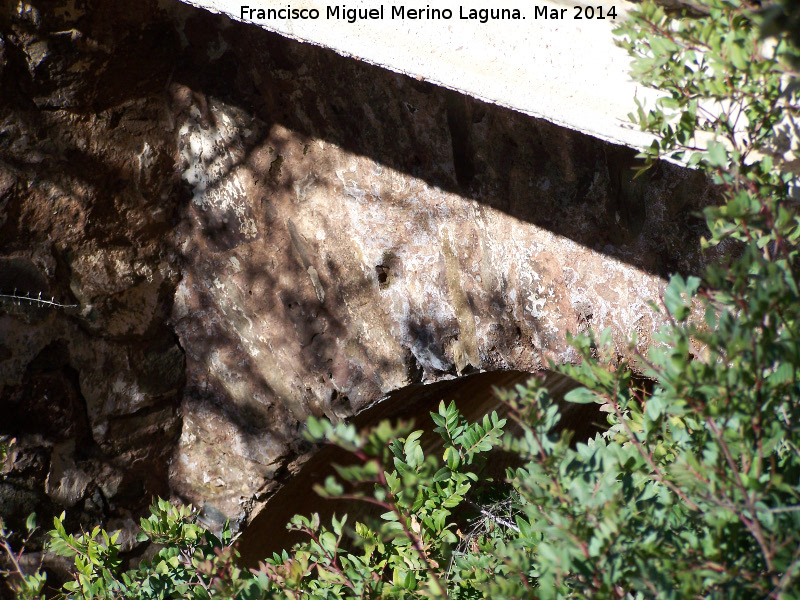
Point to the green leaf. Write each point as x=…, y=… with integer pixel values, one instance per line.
x=717, y=154
x=582, y=395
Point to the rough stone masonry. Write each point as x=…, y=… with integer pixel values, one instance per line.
x=257, y=230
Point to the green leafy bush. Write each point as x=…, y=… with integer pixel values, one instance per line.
x=694, y=490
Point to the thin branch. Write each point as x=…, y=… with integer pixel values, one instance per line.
x=495, y=518
x=11, y=556
x=37, y=300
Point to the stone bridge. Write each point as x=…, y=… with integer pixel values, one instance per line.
x=257, y=229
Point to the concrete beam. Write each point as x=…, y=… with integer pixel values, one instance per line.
x=548, y=63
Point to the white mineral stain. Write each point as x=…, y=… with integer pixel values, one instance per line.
x=208, y=155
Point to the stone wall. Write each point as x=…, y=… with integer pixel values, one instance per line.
x=255, y=230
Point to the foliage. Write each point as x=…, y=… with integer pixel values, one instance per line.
x=191, y=562
x=727, y=109
x=27, y=586
x=403, y=555
x=693, y=491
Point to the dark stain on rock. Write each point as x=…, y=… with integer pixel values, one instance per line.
x=385, y=271
x=626, y=200
x=275, y=168
x=459, y=122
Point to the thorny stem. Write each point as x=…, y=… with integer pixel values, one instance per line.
x=495, y=518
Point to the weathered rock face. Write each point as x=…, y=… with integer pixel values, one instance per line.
x=88, y=198
x=256, y=230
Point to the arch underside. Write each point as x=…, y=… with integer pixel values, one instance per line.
x=474, y=396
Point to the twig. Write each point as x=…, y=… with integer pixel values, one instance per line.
x=38, y=301
x=11, y=555
x=495, y=518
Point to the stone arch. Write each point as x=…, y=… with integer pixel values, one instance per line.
x=474, y=395
x=271, y=230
